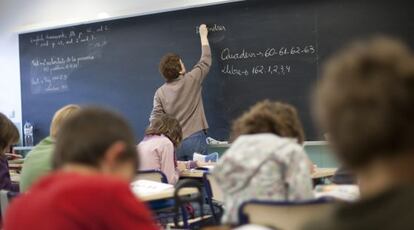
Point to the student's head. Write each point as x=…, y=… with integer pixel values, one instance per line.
x=365, y=100
x=60, y=116
x=270, y=117
x=171, y=67
x=168, y=126
x=9, y=134
x=97, y=139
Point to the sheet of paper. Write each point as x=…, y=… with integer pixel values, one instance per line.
x=199, y=157
x=341, y=192
x=147, y=187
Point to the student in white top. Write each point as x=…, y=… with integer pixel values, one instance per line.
x=266, y=160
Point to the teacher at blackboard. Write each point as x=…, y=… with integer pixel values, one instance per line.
x=181, y=97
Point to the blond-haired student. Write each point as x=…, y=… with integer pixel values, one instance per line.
x=38, y=161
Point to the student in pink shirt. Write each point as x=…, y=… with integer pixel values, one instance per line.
x=157, y=150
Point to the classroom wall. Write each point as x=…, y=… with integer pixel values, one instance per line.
x=23, y=15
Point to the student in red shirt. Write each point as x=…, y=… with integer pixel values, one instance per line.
x=95, y=159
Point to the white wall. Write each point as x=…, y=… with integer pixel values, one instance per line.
x=23, y=15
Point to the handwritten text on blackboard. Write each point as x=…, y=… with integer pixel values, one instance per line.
x=67, y=38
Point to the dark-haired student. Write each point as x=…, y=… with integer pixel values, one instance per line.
x=95, y=158
x=9, y=135
x=266, y=160
x=365, y=101
x=181, y=97
x=157, y=150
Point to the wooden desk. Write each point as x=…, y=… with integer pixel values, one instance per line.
x=323, y=172
x=166, y=194
x=193, y=173
x=15, y=177
x=16, y=161
x=320, y=173
x=15, y=166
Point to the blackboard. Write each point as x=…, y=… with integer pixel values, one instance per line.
x=261, y=49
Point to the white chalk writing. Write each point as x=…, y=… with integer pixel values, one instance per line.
x=228, y=54
x=263, y=62
x=257, y=70
x=51, y=74
x=46, y=84
x=212, y=28
x=54, y=64
x=66, y=38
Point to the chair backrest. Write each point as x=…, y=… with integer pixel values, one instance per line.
x=153, y=175
x=5, y=198
x=212, y=188
x=181, y=201
x=284, y=215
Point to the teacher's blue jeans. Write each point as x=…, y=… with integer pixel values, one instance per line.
x=196, y=143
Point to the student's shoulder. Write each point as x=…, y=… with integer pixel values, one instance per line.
x=165, y=142
x=103, y=182
x=73, y=183
x=155, y=143
x=288, y=147
x=45, y=147
x=91, y=189
x=271, y=141
x=118, y=194
x=262, y=139
x=62, y=189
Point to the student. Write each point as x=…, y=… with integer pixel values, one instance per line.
x=181, y=97
x=95, y=159
x=266, y=160
x=157, y=150
x=9, y=135
x=38, y=161
x=365, y=101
